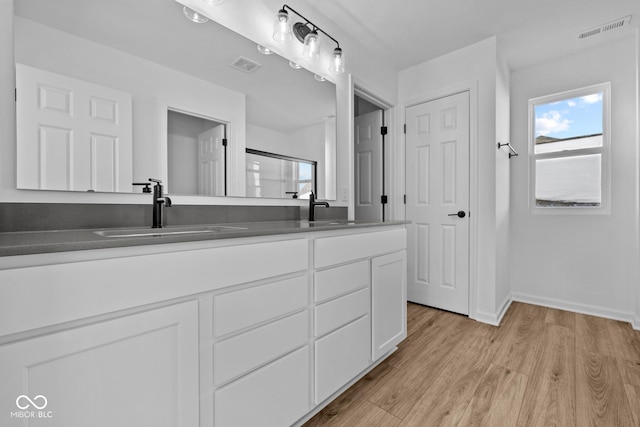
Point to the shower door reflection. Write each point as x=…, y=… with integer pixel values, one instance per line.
x=276, y=176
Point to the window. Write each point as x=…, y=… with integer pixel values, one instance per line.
x=569, y=151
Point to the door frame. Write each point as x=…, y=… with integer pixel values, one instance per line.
x=389, y=120
x=472, y=88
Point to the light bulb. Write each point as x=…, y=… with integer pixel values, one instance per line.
x=194, y=16
x=264, y=50
x=337, y=61
x=311, y=45
x=319, y=78
x=282, y=27
x=294, y=65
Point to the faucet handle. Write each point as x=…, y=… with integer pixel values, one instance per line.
x=159, y=181
x=146, y=188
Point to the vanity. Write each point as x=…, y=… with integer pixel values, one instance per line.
x=258, y=324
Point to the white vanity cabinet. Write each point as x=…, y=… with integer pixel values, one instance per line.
x=388, y=302
x=341, y=325
x=360, y=296
x=135, y=370
x=263, y=330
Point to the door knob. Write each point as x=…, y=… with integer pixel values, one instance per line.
x=459, y=214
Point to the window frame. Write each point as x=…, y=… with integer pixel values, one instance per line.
x=604, y=151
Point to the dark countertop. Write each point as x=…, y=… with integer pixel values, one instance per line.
x=39, y=242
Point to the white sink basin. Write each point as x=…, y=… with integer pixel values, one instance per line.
x=151, y=232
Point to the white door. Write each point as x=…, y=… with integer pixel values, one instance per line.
x=211, y=162
x=368, y=166
x=437, y=186
x=72, y=134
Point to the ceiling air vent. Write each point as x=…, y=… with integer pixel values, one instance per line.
x=245, y=64
x=609, y=26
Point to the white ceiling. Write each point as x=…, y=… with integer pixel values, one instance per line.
x=409, y=32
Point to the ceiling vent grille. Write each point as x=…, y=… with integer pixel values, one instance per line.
x=245, y=64
x=609, y=26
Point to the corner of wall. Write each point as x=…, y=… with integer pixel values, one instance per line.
x=636, y=321
x=495, y=318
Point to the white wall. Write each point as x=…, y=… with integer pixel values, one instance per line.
x=472, y=67
x=636, y=322
x=7, y=104
x=503, y=176
x=584, y=263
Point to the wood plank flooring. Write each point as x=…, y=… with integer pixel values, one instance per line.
x=541, y=367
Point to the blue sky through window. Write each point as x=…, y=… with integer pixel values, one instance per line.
x=305, y=170
x=570, y=117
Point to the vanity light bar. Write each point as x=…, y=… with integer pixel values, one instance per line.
x=307, y=33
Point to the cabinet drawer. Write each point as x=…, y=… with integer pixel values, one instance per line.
x=241, y=353
x=118, y=282
x=340, y=280
x=240, y=309
x=333, y=314
x=276, y=395
x=336, y=250
x=340, y=356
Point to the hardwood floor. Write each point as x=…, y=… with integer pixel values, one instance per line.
x=541, y=367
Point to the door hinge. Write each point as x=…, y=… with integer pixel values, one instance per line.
x=383, y=130
x=383, y=199
x=405, y=199
x=405, y=128
x=224, y=142
x=16, y=94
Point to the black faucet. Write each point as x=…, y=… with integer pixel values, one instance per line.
x=313, y=204
x=159, y=200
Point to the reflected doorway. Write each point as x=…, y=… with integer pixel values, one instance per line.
x=196, y=155
x=369, y=129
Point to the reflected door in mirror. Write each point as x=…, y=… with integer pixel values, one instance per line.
x=72, y=134
x=211, y=162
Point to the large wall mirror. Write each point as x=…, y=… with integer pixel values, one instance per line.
x=149, y=81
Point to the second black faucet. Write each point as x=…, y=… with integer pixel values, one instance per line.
x=313, y=204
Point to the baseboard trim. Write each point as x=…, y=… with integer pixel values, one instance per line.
x=578, y=308
x=495, y=318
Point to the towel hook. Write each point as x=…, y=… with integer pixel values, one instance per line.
x=512, y=151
